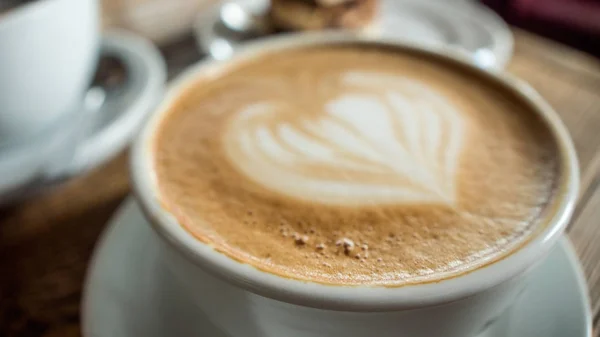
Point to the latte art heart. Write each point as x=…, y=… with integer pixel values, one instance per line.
x=379, y=139
x=356, y=165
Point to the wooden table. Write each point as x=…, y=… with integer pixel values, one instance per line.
x=46, y=242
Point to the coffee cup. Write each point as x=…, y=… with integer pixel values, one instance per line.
x=329, y=185
x=49, y=53
x=51, y=124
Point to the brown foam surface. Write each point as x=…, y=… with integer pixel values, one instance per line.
x=504, y=180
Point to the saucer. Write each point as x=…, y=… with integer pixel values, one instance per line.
x=129, y=291
x=468, y=26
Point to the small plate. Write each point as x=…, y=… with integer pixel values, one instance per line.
x=129, y=292
x=466, y=25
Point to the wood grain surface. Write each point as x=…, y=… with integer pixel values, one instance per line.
x=46, y=242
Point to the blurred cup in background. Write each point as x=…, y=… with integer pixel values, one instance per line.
x=54, y=122
x=48, y=55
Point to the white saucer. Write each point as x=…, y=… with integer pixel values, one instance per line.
x=129, y=292
x=468, y=26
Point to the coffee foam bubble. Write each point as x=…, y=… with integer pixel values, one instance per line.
x=382, y=139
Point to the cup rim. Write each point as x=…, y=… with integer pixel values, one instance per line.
x=352, y=298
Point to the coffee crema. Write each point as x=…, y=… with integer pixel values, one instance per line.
x=355, y=165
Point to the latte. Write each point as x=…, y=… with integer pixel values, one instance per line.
x=355, y=165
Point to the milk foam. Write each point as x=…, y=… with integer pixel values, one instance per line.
x=356, y=166
x=383, y=140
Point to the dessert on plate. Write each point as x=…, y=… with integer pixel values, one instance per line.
x=291, y=15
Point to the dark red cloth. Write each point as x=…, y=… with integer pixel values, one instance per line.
x=575, y=22
x=576, y=14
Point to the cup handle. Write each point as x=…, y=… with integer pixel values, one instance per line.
x=125, y=111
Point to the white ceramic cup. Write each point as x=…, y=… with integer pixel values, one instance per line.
x=48, y=54
x=247, y=302
x=49, y=51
